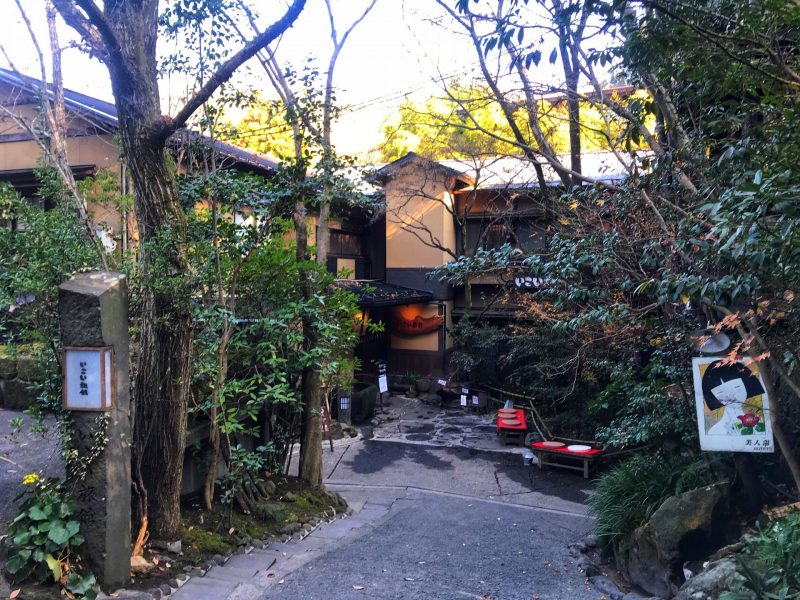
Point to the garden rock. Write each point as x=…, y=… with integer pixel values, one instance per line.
x=290, y=528
x=590, y=569
x=606, y=587
x=15, y=394
x=29, y=369
x=718, y=577
x=363, y=404
x=652, y=557
x=8, y=366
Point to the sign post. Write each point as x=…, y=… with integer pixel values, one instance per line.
x=383, y=381
x=732, y=406
x=93, y=312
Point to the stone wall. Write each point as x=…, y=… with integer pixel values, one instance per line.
x=20, y=368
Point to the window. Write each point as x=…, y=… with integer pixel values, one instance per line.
x=343, y=243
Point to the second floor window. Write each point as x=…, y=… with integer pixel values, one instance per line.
x=343, y=243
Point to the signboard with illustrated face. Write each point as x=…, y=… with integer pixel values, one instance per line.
x=88, y=378
x=732, y=406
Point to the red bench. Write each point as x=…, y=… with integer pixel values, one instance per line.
x=512, y=433
x=566, y=458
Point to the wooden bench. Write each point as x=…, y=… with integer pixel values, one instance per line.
x=567, y=459
x=513, y=434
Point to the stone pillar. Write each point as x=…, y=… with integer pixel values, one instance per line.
x=93, y=311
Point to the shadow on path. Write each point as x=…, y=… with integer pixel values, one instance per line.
x=375, y=456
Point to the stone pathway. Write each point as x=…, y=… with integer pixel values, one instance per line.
x=255, y=572
x=248, y=575
x=409, y=420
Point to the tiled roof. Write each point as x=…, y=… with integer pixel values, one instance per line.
x=387, y=171
x=379, y=293
x=106, y=113
x=81, y=103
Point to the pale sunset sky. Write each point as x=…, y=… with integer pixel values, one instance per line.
x=397, y=52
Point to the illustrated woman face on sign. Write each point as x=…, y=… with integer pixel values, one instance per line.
x=728, y=392
x=730, y=386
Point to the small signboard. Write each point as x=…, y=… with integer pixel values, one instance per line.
x=463, y=399
x=475, y=400
x=442, y=382
x=88, y=378
x=732, y=406
x=383, y=383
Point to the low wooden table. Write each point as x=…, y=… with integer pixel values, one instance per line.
x=513, y=433
x=585, y=458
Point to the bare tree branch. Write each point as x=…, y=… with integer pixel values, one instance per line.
x=76, y=19
x=226, y=70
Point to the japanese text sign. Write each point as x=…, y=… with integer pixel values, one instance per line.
x=88, y=378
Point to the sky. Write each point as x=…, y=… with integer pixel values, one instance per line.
x=399, y=51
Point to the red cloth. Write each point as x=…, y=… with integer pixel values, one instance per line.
x=592, y=452
x=520, y=416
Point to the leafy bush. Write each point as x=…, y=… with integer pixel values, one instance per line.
x=627, y=496
x=40, y=543
x=47, y=249
x=774, y=571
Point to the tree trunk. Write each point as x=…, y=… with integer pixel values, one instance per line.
x=161, y=384
x=310, y=467
x=774, y=418
x=574, y=108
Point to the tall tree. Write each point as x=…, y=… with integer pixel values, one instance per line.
x=123, y=34
x=311, y=117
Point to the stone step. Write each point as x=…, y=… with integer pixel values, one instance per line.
x=202, y=588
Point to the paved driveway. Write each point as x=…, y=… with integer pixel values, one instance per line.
x=466, y=524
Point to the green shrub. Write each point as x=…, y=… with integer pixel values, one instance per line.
x=773, y=569
x=40, y=543
x=630, y=493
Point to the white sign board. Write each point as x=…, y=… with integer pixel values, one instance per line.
x=383, y=385
x=463, y=399
x=732, y=406
x=88, y=378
